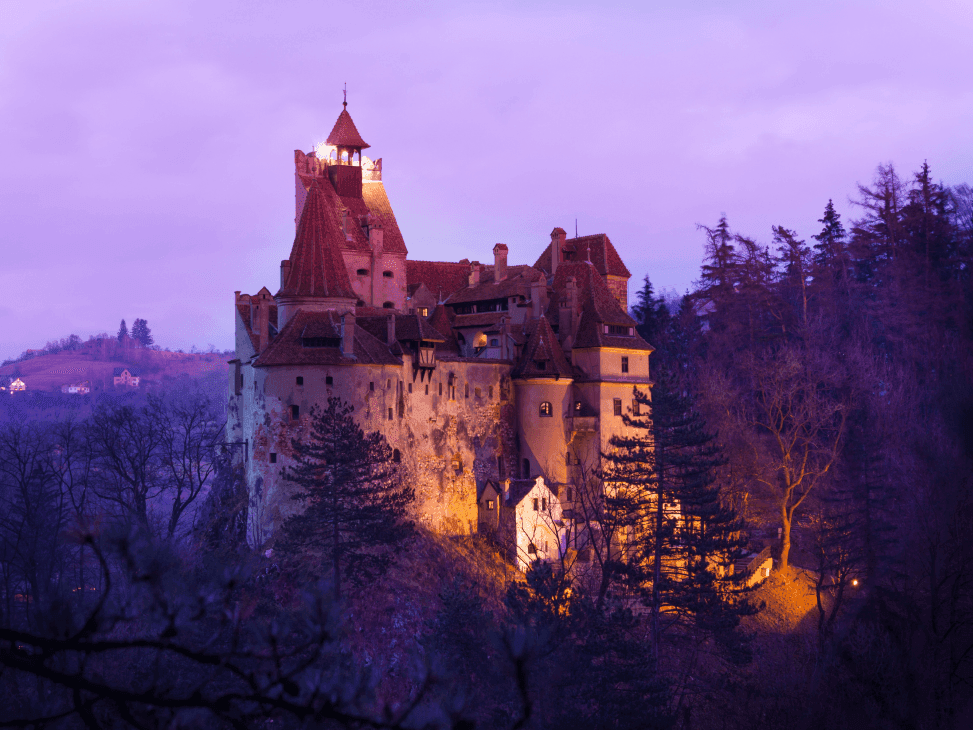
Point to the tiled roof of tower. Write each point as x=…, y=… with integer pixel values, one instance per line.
x=408, y=328
x=288, y=349
x=542, y=356
x=440, y=319
x=591, y=330
x=378, y=203
x=345, y=133
x=442, y=278
x=244, y=310
x=317, y=268
x=518, y=281
x=591, y=287
x=597, y=248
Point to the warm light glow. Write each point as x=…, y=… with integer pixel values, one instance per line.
x=854, y=582
x=325, y=150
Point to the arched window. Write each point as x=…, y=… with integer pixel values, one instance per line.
x=362, y=272
x=388, y=305
x=387, y=274
x=396, y=456
x=547, y=409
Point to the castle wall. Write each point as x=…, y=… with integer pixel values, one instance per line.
x=449, y=443
x=543, y=438
x=386, y=289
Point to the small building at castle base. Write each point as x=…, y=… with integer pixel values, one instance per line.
x=485, y=378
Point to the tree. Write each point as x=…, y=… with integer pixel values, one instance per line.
x=795, y=257
x=831, y=262
x=122, y=331
x=141, y=333
x=650, y=313
x=797, y=402
x=356, y=508
x=688, y=537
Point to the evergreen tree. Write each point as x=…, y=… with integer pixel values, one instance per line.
x=689, y=538
x=141, y=333
x=122, y=332
x=651, y=313
x=831, y=262
x=795, y=258
x=718, y=274
x=356, y=509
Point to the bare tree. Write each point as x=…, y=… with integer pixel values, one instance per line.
x=799, y=405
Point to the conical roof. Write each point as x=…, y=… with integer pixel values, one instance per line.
x=345, y=133
x=542, y=356
x=317, y=268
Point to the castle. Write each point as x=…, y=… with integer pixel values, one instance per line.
x=497, y=386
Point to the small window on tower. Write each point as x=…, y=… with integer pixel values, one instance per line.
x=363, y=272
x=423, y=311
x=535, y=504
x=396, y=456
x=371, y=386
x=387, y=274
x=300, y=380
x=273, y=458
x=635, y=408
x=466, y=393
x=388, y=305
x=390, y=414
x=410, y=387
x=494, y=342
x=295, y=413
x=490, y=391
x=328, y=380
x=388, y=383
x=546, y=409
x=618, y=406
x=489, y=504
x=624, y=364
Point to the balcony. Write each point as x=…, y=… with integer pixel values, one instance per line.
x=581, y=424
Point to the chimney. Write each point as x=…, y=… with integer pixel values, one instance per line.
x=260, y=323
x=346, y=225
x=348, y=335
x=474, y=273
x=557, y=248
x=536, y=289
x=500, y=262
x=285, y=269
x=569, y=315
x=390, y=320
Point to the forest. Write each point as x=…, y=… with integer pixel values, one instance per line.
x=811, y=395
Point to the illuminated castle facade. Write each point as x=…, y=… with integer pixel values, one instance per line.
x=497, y=386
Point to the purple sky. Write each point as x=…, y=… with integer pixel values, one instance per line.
x=146, y=148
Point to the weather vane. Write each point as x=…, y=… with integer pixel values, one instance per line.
x=345, y=102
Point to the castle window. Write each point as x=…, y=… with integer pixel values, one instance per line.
x=295, y=413
x=362, y=272
x=489, y=504
x=390, y=414
x=300, y=380
x=535, y=504
x=624, y=364
x=423, y=311
x=273, y=458
x=570, y=494
x=544, y=505
x=532, y=548
x=477, y=392
x=427, y=388
x=501, y=469
x=360, y=303
x=619, y=330
x=547, y=410
x=396, y=456
x=540, y=364
x=618, y=406
x=440, y=389
x=388, y=305
x=494, y=342
x=410, y=387
x=328, y=380
x=466, y=393
x=526, y=471
x=635, y=408
x=387, y=274
x=490, y=391
x=388, y=383
x=371, y=386
x=567, y=459
x=577, y=406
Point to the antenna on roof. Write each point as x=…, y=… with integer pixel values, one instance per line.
x=345, y=102
x=575, y=227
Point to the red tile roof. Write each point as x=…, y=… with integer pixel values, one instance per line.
x=345, y=133
x=442, y=278
x=597, y=248
x=542, y=347
x=378, y=203
x=317, y=267
x=518, y=282
x=288, y=349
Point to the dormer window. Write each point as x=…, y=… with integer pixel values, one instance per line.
x=619, y=330
x=540, y=364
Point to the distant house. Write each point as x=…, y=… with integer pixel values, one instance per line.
x=77, y=388
x=126, y=378
x=17, y=385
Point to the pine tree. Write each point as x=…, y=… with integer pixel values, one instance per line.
x=141, y=333
x=689, y=538
x=795, y=257
x=356, y=509
x=122, y=332
x=650, y=313
x=831, y=262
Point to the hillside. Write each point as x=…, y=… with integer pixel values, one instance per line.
x=95, y=360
